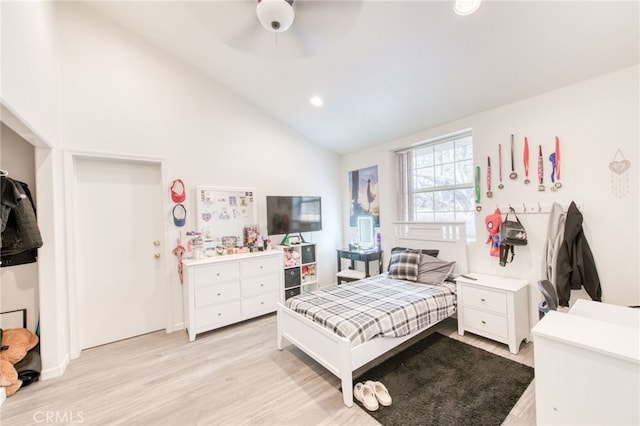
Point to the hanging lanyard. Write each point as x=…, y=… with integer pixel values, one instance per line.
x=489, y=193
x=555, y=164
x=540, y=170
x=477, y=188
x=513, y=174
x=558, y=184
x=525, y=160
x=500, y=185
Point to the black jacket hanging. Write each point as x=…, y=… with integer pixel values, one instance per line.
x=576, y=266
x=20, y=234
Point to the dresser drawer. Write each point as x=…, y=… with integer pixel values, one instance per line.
x=217, y=273
x=210, y=294
x=268, y=265
x=259, y=305
x=220, y=314
x=485, y=299
x=483, y=322
x=259, y=285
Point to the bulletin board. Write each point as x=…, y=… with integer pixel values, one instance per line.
x=224, y=212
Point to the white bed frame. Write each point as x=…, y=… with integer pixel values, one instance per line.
x=335, y=353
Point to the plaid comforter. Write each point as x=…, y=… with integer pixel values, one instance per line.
x=376, y=306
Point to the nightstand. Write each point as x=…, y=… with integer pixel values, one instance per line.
x=494, y=307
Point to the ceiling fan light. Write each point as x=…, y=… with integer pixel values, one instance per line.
x=466, y=7
x=275, y=15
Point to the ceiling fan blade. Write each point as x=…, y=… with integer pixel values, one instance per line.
x=317, y=25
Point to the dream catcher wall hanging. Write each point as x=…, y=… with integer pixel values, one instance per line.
x=619, y=168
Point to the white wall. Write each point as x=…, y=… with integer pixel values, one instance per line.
x=122, y=95
x=593, y=119
x=30, y=106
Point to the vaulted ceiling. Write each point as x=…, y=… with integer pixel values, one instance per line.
x=386, y=69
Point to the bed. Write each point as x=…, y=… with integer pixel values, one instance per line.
x=340, y=355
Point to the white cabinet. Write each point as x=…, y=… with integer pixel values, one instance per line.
x=587, y=365
x=494, y=307
x=300, y=272
x=222, y=290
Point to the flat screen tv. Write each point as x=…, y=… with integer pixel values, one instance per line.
x=292, y=214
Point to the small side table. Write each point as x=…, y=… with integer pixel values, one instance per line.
x=366, y=256
x=494, y=307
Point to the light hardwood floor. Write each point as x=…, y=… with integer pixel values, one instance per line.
x=232, y=376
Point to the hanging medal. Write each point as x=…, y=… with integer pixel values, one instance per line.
x=489, y=193
x=500, y=185
x=477, y=189
x=540, y=170
x=525, y=160
x=556, y=166
x=513, y=175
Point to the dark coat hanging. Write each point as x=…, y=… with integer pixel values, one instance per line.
x=20, y=233
x=576, y=267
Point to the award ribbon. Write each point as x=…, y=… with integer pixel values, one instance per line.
x=540, y=170
x=513, y=174
x=500, y=185
x=489, y=193
x=525, y=160
x=476, y=187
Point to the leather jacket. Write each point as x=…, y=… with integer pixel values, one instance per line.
x=20, y=234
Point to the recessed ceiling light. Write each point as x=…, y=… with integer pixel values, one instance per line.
x=466, y=7
x=316, y=101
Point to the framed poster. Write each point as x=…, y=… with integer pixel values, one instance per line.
x=363, y=188
x=224, y=212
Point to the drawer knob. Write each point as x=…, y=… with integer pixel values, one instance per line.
x=482, y=299
x=218, y=274
x=261, y=285
x=219, y=294
x=219, y=314
x=484, y=322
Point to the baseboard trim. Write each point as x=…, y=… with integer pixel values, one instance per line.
x=56, y=371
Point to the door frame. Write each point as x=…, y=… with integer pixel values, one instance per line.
x=71, y=158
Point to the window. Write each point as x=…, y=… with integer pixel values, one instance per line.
x=437, y=181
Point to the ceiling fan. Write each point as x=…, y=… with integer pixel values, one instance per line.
x=284, y=29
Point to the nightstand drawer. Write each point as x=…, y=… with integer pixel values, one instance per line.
x=485, y=299
x=482, y=322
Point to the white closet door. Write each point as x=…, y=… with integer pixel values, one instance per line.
x=118, y=231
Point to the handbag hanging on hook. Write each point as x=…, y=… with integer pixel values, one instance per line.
x=512, y=232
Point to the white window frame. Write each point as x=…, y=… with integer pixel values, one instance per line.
x=406, y=170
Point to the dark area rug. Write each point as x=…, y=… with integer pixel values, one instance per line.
x=441, y=381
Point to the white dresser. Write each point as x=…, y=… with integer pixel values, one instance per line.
x=587, y=365
x=222, y=290
x=494, y=307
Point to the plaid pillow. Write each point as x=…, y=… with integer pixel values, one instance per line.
x=430, y=252
x=404, y=265
x=434, y=271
